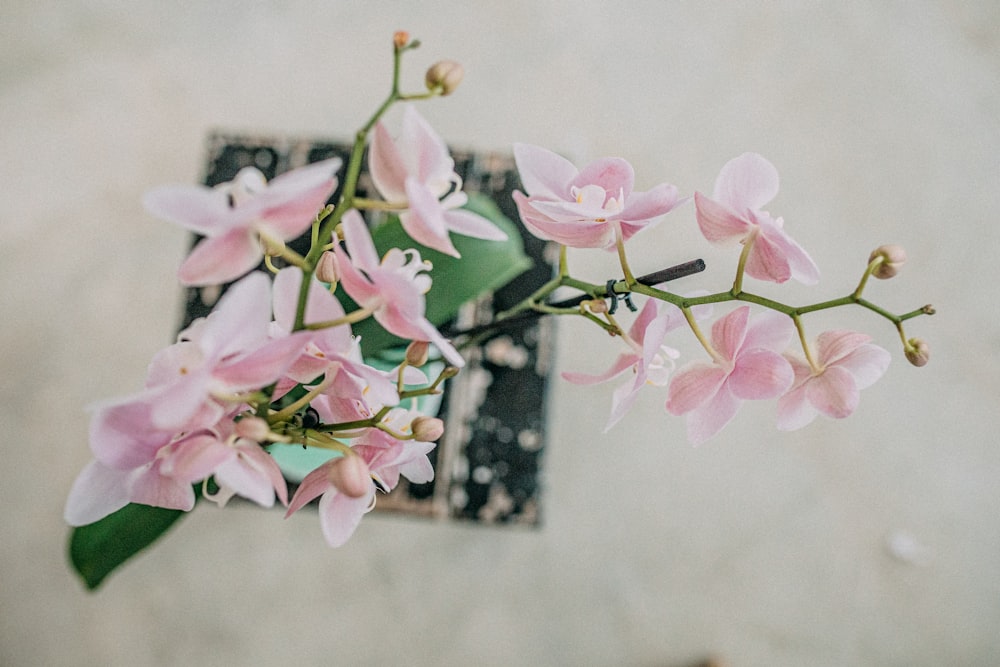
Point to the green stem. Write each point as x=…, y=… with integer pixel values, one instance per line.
x=696, y=330
x=351, y=175
x=741, y=266
x=630, y=280
x=350, y=318
x=805, y=345
x=292, y=408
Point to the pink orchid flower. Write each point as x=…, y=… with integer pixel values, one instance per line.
x=385, y=459
x=650, y=360
x=240, y=466
x=100, y=489
x=846, y=363
x=588, y=208
x=227, y=353
x=392, y=289
x=238, y=216
x=734, y=215
x=417, y=170
x=747, y=366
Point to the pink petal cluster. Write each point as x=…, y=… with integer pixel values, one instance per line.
x=149, y=448
x=846, y=363
x=585, y=208
x=376, y=455
x=416, y=169
x=392, y=288
x=734, y=214
x=649, y=359
x=748, y=366
x=238, y=216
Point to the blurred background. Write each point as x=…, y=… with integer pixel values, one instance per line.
x=867, y=541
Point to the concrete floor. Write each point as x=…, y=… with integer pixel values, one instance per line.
x=765, y=548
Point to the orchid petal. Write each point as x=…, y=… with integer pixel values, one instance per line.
x=645, y=206
x=760, y=374
x=770, y=330
x=315, y=483
x=195, y=457
x=746, y=182
x=339, y=515
x=621, y=364
x=766, y=261
x=386, y=165
x=425, y=222
x=151, y=488
x=613, y=174
x=718, y=223
x=693, y=386
x=543, y=173
x=221, y=259
x=197, y=208
x=359, y=241
x=468, y=223
x=710, y=418
x=867, y=364
x=97, y=492
x=834, y=392
x=794, y=410
x=729, y=331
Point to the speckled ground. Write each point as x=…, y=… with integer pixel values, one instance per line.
x=871, y=541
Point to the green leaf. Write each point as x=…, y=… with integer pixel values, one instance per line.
x=484, y=266
x=97, y=549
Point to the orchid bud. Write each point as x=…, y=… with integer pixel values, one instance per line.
x=917, y=351
x=350, y=475
x=444, y=76
x=326, y=268
x=427, y=429
x=893, y=257
x=253, y=428
x=597, y=306
x=400, y=39
x=416, y=353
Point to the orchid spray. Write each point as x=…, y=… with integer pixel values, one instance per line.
x=278, y=360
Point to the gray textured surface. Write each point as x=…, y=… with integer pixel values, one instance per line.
x=767, y=548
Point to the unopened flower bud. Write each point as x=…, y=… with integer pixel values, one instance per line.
x=400, y=39
x=444, y=76
x=597, y=306
x=326, y=268
x=253, y=428
x=427, y=429
x=351, y=476
x=416, y=353
x=917, y=351
x=893, y=257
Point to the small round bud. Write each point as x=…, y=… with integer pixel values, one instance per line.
x=253, y=428
x=597, y=306
x=400, y=38
x=917, y=351
x=444, y=76
x=326, y=268
x=350, y=475
x=416, y=353
x=928, y=309
x=427, y=429
x=893, y=257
